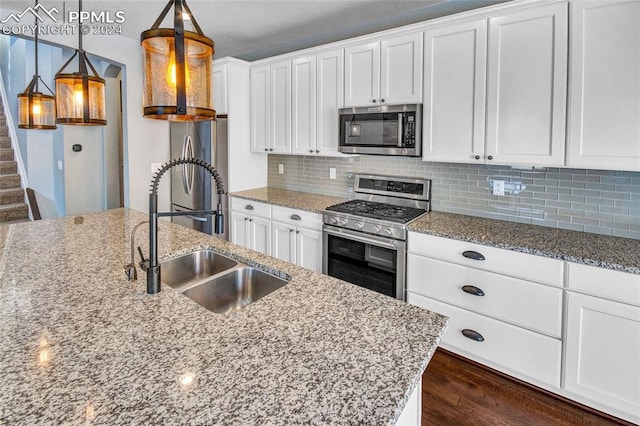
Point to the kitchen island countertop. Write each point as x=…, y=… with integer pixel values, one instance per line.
x=80, y=344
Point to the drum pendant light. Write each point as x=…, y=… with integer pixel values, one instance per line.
x=80, y=97
x=36, y=110
x=177, y=69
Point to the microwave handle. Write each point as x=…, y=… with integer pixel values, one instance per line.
x=400, y=131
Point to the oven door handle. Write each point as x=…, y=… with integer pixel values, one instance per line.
x=369, y=239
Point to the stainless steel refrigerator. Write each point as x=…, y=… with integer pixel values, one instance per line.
x=192, y=187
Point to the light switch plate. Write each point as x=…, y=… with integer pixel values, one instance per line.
x=281, y=168
x=332, y=172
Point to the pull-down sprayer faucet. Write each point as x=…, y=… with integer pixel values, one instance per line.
x=153, y=271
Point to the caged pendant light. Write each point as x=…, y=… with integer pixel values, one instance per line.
x=36, y=110
x=80, y=97
x=177, y=69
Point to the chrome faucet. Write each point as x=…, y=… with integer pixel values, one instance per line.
x=130, y=269
x=153, y=270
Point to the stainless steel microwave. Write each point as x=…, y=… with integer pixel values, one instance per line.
x=381, y=130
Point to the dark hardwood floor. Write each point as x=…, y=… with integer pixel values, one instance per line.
x=457, y=391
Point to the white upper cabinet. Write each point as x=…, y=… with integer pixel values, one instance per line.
x=401, y=69
x=604, y=97
x=260, y=108
x=389, y=71
x=303, y=108
x=455, y=60
x=362, y=74
x=330, y=98
x=526, y=93
x=219, y=88
x=280, y=98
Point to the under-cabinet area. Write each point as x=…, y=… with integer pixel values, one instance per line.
x=568, y=328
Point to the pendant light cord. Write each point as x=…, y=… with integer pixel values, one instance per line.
x=36, y=40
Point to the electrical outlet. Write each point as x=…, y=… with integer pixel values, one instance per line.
x=498, y=187
x=59, y=164
x=332, y=172
x=281, y=168
x=155, y=167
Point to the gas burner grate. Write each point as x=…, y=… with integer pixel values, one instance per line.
x=374, y=210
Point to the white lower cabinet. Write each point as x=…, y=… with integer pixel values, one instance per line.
x=251, y=225
x=602, y=355
x=514, y=350
x=296, y=237
x=503, y=313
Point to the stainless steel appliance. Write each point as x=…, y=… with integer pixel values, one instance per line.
x=191, y=186
x=381, y=130
x=364, y=240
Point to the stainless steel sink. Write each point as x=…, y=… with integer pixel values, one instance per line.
x=187, y=270
x=234, y=290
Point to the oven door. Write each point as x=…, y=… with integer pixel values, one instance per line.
x=370, y=261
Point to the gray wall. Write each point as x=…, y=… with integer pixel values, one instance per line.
x=600, y=201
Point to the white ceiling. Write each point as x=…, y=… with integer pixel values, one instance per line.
x=255, y=29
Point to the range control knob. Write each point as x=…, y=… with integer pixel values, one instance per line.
x=342, y=222
x=332, y=220
x=388, y=231
x=376, y=229
x=359, y=225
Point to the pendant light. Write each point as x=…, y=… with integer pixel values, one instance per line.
x=80, y=97
x=36, y=110
x=177, y=69
x=354, y=128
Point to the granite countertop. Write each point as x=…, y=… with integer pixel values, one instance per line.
x=620, y=254
x=315, y=203
x=80, y=344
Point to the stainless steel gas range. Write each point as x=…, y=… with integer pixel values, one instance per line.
x=364, y=240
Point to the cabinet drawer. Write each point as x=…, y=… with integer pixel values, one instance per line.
x=514, y=350
x=534, y=306
x=614, y=285
x=520, y=265
x=252, y=208
x=297, y=217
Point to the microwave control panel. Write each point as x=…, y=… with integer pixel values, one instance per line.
x=409, y=139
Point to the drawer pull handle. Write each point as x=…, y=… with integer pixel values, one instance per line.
x=248, y=207
x=295, y=217
x=471, y=289
x=473, y=335
x=474, y=255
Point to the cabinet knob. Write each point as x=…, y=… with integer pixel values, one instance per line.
x=317, y=151
x=311, y=151
x=374, y=100
x=477, y=157
x=471, y=289
x=250, y=220
x=266, y=149
x=246, y=218
x=381, y=100
x=270, y=149
x=473, y=335
x=290, y=230
x=490, y=157
x=473, y=255
x=297, y=232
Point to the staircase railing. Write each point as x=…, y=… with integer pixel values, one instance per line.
x=14, y=142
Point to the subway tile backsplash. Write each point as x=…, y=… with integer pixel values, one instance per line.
x=599, y=201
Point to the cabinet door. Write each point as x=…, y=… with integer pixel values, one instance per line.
x=401, y=69
x=260, y=234
x=362, y=75
x=602, y=352
x=303, y=108
x=239, y=229
x=526, y=93
x=283, y=241
x=604, y=96
x=219, y=88
x=454, y=93
x=281, y=107
x=330, y=92
x=309, y=249
x=260, y=112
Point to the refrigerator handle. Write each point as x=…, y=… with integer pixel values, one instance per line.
x=188, y=170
